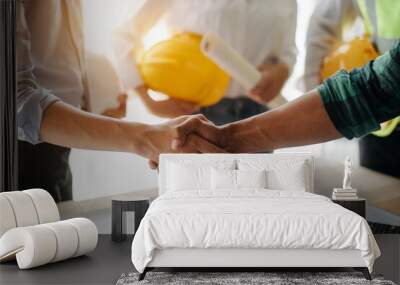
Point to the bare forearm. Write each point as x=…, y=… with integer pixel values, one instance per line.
x=70, y=127
x=303, y=121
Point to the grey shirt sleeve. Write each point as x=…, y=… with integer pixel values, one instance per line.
x=32, y=99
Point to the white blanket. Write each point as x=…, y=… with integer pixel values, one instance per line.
x=250, y=219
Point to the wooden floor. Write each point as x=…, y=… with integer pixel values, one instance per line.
x=110, y=260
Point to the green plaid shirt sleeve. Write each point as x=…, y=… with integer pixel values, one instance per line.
x=358, y=101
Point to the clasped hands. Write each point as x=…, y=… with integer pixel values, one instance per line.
x=186, y=134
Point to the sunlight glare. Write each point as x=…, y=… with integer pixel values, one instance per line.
x=157, y=34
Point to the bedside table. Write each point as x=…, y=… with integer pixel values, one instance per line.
x=119, y=206
x=357, y=206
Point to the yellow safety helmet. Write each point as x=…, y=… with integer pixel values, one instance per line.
x=350, y=55
x=387, y=127
x=178, y=68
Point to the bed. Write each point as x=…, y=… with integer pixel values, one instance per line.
x=245, y=211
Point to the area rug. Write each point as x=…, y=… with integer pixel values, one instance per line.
x=244, y=278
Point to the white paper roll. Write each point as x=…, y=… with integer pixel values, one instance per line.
x=87, y=235
x=45, y=206
x=7, y=218
x=67, y=240
x=23, y=207
x=227, y=58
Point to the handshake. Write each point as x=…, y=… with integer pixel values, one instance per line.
x=187, y=134
x=301, y=122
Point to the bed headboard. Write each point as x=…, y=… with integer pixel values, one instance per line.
x=165, y=159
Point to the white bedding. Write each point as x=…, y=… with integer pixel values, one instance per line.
x=252, y=218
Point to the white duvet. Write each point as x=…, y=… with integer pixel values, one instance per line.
x=250, y=219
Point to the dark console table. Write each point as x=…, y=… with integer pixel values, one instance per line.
x=357, y=206
x=121, y=205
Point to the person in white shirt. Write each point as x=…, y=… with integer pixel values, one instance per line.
x=262, y=31
x=328, y=24
x=52, y=87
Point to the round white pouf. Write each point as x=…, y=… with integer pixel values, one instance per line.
x=67, y=240
x=46, y=208
x=33, y=246
x=41, y=244
x=23, y=208
x=7, y=218
x=87, y=234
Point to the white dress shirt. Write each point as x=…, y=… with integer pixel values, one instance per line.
x=50, y=60
x=258, y=29
x=326, y=28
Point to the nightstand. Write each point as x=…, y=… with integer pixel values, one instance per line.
x=357, y=206
x=121, y=205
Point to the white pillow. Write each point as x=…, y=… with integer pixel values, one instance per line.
x=182, y=177
x=186, y=175
x=251, y=178
x=223, y=179
x=226, y=179
x=283, y=174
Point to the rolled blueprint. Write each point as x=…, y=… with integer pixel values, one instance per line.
x=227, y=58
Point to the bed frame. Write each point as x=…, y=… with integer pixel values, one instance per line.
x=248, y=259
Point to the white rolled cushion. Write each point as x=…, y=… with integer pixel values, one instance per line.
x=33, y=246
x=251, y=178
x=23, y=208
x=46, y=208
x=223, y=179
x=7, y=218
x=37, y=245
x=87, y=235
x=67, y=240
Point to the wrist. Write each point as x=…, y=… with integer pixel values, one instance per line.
x=247, y=136
x=133, y=135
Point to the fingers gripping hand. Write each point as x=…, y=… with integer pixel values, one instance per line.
x=205, y=130
x=193, y=144
x=167, y=108
x=272, y=80
x=180, y=107
x=197, y=144
x=189, y=134
x=120, y=111
x=153, y=164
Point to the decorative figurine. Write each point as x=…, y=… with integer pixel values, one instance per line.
x=347, y=173
x=346, y=192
